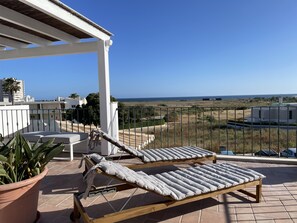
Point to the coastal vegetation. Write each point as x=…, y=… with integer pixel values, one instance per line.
x=74, y=96
x=212, y=134
x=87, y=114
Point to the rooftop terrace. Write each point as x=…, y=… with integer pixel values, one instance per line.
x=278, y=204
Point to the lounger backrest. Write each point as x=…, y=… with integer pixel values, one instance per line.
x=120, y=145
x=128, y=175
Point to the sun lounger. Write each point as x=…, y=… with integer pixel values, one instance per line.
x=67, y=138
x=178, y=187
x=161, y=156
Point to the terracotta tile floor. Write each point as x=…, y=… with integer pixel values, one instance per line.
x=279, y=201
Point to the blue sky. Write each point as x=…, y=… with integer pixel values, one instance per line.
x=168, y=48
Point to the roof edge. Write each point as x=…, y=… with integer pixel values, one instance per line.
x=72, y=11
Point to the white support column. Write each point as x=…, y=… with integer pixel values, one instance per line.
x=104, y=89
x=114, y=124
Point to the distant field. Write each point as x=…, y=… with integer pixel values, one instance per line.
x=190, y=103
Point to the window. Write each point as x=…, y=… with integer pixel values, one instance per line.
x=259, y=113
x=290, y=114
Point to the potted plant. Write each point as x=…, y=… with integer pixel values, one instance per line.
x=22, y=167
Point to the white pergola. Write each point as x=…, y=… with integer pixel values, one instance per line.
x=35, y=28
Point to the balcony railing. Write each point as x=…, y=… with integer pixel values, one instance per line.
x=242, y=130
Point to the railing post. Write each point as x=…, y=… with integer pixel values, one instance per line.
x=114, y=124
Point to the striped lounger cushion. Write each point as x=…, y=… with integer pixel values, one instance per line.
x=174, y=153
x=162, y=154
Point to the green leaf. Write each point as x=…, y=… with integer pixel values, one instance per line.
x=20, y=160
x=27, y=148
x=54, y=151
x=4, y=174
x=3, y=158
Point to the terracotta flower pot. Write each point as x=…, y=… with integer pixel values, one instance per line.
x=18, y=201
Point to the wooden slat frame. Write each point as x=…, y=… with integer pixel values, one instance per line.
x=79, y=210
x=173, y=162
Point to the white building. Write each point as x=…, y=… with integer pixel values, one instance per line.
x=45, y=115
x=72, y=103
x=28, y=98
x=45, y=109
x=277, y=113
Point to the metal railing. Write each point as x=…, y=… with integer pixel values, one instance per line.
x=226, y=130
x=242, y=130
x=33, y=120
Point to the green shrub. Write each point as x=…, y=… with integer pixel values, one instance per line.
x=19, y=160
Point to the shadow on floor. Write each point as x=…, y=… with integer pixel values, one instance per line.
x=55, y=216
x=62, y=184
x=101, y=209
x=278, y=175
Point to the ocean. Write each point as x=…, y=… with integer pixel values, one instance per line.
x=201, y=98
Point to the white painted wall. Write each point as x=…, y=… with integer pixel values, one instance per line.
x=71, y=103
x=13, y=119
x=274, y=114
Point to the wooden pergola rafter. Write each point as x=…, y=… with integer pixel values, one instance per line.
x=35, y=28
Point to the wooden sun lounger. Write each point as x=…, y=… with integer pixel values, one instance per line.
x=178, y=187
x=160, y=156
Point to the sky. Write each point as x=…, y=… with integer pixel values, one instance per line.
x=176, y=48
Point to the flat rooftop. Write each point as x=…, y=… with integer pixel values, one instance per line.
x=279, y=197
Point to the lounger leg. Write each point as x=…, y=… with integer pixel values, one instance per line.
x=75, y=214
x=214, y=159
x=71, y=152
x=259, y=192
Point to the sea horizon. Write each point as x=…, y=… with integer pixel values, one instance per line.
x=191, y=98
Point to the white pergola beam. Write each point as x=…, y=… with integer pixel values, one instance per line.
x=64, y=49
x=59, y=11
x=18, y=34
x=25, y=21
x=12, y=43
x=61, y=14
